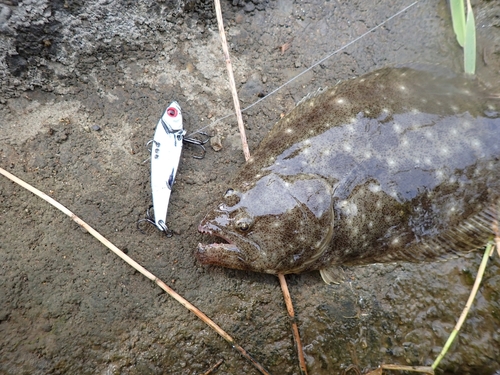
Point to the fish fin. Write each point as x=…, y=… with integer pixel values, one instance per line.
x=332, y=275
x=472, y=234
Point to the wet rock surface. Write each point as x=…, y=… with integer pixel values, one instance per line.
x=82, y=87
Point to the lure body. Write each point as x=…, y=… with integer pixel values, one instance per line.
x=165, y=155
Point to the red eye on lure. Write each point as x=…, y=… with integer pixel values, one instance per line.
x=172, y=112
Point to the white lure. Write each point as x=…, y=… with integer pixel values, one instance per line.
x=165, y=155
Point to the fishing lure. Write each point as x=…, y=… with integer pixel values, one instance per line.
x=165, y=154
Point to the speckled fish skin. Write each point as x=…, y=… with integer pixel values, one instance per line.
x=396, y=165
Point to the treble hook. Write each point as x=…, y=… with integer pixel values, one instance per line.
x=157, y=144
x=150, y=219
x=197, y=142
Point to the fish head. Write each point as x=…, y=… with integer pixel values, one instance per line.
x=278, y=225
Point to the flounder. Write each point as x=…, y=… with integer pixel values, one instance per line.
x=396, y=165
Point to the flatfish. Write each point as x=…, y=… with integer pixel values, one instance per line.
x=396, y=165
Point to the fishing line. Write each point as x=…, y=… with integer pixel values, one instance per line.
x=308, y=69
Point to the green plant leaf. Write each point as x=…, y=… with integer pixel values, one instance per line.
x=458, y=19
x=470, y=42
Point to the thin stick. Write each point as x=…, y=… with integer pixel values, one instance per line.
x=213, y=367
x=421, y=369
x=479, y=277
x=138, y=267
x=295, y=329
x=246, y=151
x=232, y=84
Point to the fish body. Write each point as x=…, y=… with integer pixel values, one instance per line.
x=396, y=165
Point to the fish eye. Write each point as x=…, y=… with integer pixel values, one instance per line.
x=243, y=226
x=228, y=193
x=244, y=223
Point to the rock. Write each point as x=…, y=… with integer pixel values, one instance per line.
x=216, y=142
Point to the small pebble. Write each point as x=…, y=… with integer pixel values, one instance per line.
x=249, y=7
x=190, y=67
x=216, y=142
x=96, y=128
x=46, y=327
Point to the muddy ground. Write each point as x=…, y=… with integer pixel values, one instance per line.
x=83, y=84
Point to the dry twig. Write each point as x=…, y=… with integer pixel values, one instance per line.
x=295, y=329
x=138, y=267
x=246, y=151
x=232, y=84
x=212, y=369
x=421, y=369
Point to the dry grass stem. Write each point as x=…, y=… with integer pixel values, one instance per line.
x=295, y=329
x=232, y=84
x=138, y=267
x=487, y=253
x=353, y=368
x=377, y=371
x=430, y=370
x=246, y=151
x=421, y=369
x=219, y=362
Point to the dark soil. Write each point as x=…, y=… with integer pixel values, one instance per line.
x=83, y=84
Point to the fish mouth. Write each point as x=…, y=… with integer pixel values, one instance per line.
x=223, y=253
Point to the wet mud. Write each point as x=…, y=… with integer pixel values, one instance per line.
x=83, y=85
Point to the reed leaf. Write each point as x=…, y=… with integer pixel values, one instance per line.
x=458, y=20
x=470, y=42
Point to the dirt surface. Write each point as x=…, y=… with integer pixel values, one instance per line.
x=83, y=84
